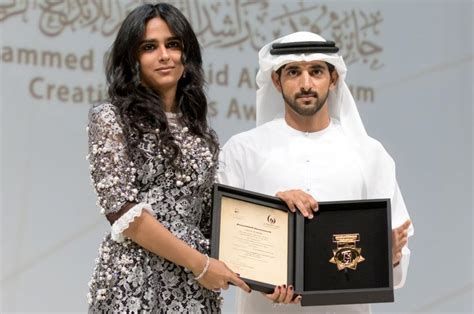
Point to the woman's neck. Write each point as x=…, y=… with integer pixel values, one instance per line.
x=169, y=100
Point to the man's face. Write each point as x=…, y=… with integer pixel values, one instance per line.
x=305, y=86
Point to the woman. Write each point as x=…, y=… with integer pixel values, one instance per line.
x=153, y=161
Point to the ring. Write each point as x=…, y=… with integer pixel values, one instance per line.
x=346, y=255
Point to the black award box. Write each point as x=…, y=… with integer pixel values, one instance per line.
x=341, y=256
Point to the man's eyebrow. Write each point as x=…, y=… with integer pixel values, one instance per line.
x=291, y=67
x=318, y=67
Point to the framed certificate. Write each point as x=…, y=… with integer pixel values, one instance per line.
x=254, y=235
x=341, y=256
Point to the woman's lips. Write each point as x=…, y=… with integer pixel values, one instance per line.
x=164, y=70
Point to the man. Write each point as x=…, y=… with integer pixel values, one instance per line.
x=310, y=144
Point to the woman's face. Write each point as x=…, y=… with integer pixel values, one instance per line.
x=159, y=55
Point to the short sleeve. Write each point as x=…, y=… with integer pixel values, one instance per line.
x=113, y=173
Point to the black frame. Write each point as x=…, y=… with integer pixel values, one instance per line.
x=221, y=190
x=296, y=247
x=343, y=296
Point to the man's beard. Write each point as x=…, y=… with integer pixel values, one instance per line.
x=306, y=109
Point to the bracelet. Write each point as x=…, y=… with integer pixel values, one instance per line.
x=204, y=271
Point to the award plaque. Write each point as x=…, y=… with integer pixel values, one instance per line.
x=341, y=256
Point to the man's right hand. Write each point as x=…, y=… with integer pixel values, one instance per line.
x=283, y=295
x=298, y=199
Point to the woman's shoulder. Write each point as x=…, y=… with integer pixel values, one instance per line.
x=103, y=113
x=102, y=108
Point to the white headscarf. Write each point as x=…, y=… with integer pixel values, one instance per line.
x=340, y=101
x=377, y=166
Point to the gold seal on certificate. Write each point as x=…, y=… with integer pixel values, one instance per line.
x=346, y=255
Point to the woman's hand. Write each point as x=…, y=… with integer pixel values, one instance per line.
x=218, y=276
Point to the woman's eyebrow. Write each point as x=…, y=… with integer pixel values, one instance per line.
x=153, y=40
x=148, y=41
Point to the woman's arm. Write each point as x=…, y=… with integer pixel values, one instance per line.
x=153, y=236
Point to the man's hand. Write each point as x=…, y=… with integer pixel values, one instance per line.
x=399, y=240
x=297, y=199
x=283, y=295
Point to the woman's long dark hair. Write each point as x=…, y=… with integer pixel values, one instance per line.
x=141, y=108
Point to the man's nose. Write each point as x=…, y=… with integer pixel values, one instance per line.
x=305, y=81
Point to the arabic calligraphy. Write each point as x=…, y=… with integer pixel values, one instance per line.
x=102, y=16
x=241, y=24
x=13, y=8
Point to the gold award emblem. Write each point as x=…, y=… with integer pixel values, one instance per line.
x=346, y=255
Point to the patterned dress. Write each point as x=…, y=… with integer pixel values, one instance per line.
x=128, y=278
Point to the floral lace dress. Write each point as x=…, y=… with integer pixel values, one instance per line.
x=128, y=278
